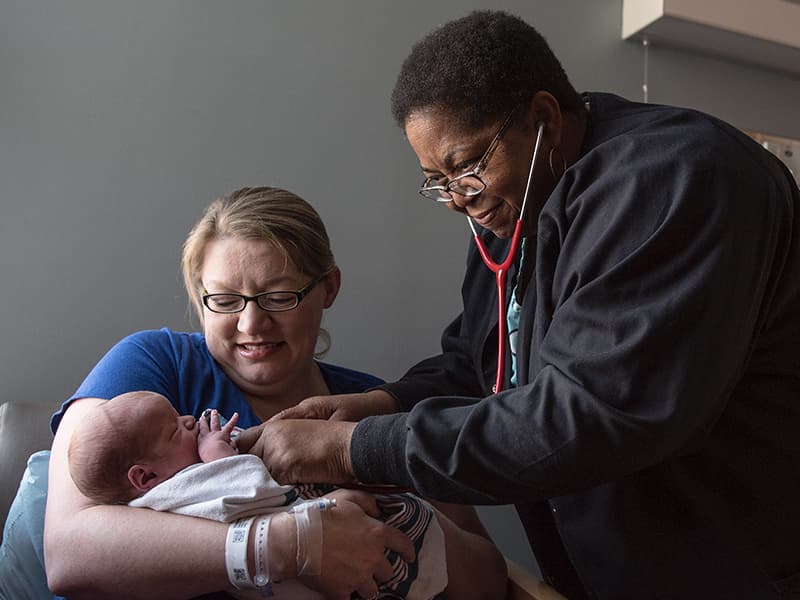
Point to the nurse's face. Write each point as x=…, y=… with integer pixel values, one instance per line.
x=447, y=149
x=266, y=354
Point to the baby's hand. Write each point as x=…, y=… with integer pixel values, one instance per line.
x=214, y=441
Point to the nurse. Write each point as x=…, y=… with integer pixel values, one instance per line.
x=645, y=422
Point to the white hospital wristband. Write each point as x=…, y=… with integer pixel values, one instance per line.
x=261, y=579
x=236, y=554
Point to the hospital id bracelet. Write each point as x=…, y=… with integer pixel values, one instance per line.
x=236, y=554
x=261, y=579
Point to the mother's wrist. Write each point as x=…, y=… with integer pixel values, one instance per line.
x=261, y=550
x=282, y=547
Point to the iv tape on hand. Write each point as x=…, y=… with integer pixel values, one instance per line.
x=309, y=534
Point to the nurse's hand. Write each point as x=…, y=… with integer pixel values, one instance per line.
x=341, y=407
x=302, y=450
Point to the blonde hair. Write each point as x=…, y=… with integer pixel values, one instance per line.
x=269, y=214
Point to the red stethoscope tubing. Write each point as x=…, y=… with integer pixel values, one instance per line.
x=501, y=276
x=500, y=270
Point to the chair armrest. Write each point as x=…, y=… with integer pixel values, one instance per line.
x=524, y=586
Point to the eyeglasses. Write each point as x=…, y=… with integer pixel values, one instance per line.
x=468, y=184
x=229, y=303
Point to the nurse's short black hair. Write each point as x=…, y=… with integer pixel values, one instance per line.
x=478, y=68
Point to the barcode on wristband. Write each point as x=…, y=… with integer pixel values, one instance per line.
x=236, y=553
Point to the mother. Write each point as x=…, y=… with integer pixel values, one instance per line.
x=259, y=270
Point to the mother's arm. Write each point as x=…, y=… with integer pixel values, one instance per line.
x=476, y=569
x=116, y=551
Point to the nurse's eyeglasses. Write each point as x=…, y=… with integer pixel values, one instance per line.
x=229, y=303
x=468, y=184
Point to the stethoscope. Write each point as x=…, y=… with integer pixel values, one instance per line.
x=501, y=270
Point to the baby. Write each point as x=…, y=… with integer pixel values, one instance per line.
x=137, y=449
x=129, y=445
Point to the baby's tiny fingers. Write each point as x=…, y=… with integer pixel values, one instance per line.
x=228, y=428
x=214, y=419
x=202, y=423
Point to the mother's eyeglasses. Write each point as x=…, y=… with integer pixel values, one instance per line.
x=468, y=184
x=281, y=301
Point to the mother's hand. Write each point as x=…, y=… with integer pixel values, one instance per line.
x=353, y=548
x=302, y=450
x=341, y=407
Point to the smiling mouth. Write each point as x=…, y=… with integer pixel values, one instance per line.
x=258, y=350
x=256, y=345
x=485, y=218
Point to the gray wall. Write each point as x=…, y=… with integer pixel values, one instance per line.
x=120, y=121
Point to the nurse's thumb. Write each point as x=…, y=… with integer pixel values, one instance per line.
x=248, y=438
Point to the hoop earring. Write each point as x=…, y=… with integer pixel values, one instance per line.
x=563, y=164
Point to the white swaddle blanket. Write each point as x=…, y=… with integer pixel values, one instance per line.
x=240, y=486
x=223, y=490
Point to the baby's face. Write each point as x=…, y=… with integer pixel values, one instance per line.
x=174, y=438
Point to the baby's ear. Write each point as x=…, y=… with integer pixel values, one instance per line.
x=142, y=477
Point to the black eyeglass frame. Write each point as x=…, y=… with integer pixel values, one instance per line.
x=443, y=193
x=299, y=295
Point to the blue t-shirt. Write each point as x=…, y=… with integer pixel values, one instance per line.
x=179, y=366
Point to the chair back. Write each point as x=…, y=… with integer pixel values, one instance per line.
x=24, y=429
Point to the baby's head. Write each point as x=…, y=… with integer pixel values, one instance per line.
x=128, y=445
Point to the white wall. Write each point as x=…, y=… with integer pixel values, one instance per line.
x=120, y=121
